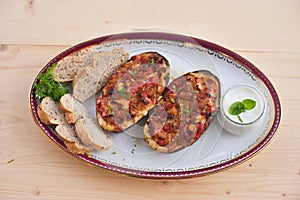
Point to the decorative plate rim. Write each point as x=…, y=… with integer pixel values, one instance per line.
x=152, y=174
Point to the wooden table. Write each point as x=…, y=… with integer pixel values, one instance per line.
x=33, y=31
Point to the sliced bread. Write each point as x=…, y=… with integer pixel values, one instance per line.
x=71, y=140
x=74, y=110
x=68, y=67
x=92, y=135
x=67, y=132
x=49, y=112
x=93, y=76
x=88, y=132
x=77, y=148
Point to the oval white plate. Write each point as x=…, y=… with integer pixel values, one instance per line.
x=217, y=149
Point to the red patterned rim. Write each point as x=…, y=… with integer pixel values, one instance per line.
x=174, y=37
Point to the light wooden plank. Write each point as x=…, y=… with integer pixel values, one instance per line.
x=21, y=56
x=32, y=32
x=256, y=25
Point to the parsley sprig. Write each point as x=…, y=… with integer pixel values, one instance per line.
x=240, y=107
x=47, y=86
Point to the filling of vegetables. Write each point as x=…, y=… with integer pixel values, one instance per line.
x=184, y=114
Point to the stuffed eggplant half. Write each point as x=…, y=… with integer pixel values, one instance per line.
x=132, y=91
x=187, y=107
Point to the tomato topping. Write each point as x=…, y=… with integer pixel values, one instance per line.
x=212, y=109
x=135, y=87
x=161, y=143
x=166, y=128
x=188, y=109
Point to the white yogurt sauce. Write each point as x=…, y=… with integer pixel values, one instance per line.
x=240, y=93
x=251, y=118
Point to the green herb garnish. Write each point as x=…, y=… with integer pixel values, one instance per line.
x=176, y=89
x=167, y=75
x=240, y=107
x=47, y=86
x=152, y=61
x=249, y=104
x=123, y=93
x=172, y=100
x=187, y=111
x=132, y=73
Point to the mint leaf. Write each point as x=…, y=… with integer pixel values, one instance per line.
x=240, y=118
x=237, y=108
x=249, y=104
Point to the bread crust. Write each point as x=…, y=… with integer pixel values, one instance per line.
x=71, y=140
x=76, y=114
x=77, y=148
x=49, y=112
x=44, y=117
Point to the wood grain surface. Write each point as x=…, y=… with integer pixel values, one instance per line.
x=33, y=31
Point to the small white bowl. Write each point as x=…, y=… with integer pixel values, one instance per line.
x=251, y=118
